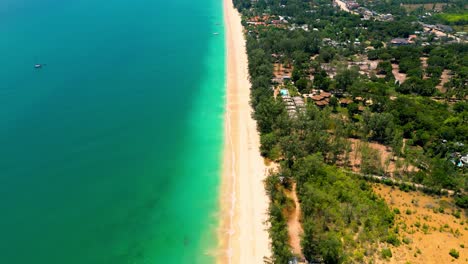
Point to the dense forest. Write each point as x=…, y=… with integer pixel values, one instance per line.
x=422, y=119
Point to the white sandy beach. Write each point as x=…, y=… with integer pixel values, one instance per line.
x=244, y=203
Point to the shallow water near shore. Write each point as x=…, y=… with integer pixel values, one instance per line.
x=111, y=152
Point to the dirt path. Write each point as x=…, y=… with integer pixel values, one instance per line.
x=294, y=224
x=444, y=78
x=401, y=77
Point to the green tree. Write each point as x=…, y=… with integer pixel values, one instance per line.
x=331, y=249
x=321, y=80
x=302, y=85
x=346, y=78
x=267, y=143
x=379, y=127
x=353, y=109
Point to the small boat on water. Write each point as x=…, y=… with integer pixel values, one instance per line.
x=216, y=33
x=37, y=66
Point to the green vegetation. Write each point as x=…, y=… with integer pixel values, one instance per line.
x=406, y=240
x=325, y=49
x=454, y=253
x=393, y=239
x=454, y=18
x=386, y=253
x=339, y=213
x=462, y=201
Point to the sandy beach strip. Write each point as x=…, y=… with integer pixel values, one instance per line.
x=243, y=232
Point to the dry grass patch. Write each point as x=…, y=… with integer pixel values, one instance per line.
x=429, y=227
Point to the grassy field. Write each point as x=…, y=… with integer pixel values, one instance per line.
x=454, y=18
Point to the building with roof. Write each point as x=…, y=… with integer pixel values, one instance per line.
x=399, y=42
x=322, y=99
x=444, y=28
x=345, y=102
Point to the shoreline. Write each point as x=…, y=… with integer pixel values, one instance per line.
x=243, y=235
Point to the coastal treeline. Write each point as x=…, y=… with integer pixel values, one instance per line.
x=421, y=119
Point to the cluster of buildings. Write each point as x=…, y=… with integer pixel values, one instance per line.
x=293, y=104
x=438, y=31
x=351, y=5
x=368, y=14
x=439, y=27
x=458, y=160
x=334, y=43
x=354, y=7
x=441, y=30
x=319, y=97
x=403, y=41
x=281, y=73
x=267, y=20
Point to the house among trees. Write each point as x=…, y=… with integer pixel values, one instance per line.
x=411, y=38
x=345, y=102
x=321, y=99
x=282, y=73
x=352, y=5
x=464, y=161
x=293, y=104
x=298, y=101
x=399, y=42
x=385, y=17
x=444, y=28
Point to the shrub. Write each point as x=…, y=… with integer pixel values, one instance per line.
x=408, y=212
x=393, y=239
x=386, y=253
x=441, y=210
x=396, y=211
x=359, y=256
x=454, y=253
x=462, y=201
x=406, y=240
x=425, y=229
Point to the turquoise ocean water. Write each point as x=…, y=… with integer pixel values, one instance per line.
x=111, y=153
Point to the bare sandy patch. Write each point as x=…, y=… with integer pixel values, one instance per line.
x=444, y=78
x=400, y=77
x=388, y=161
x=426, y=227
